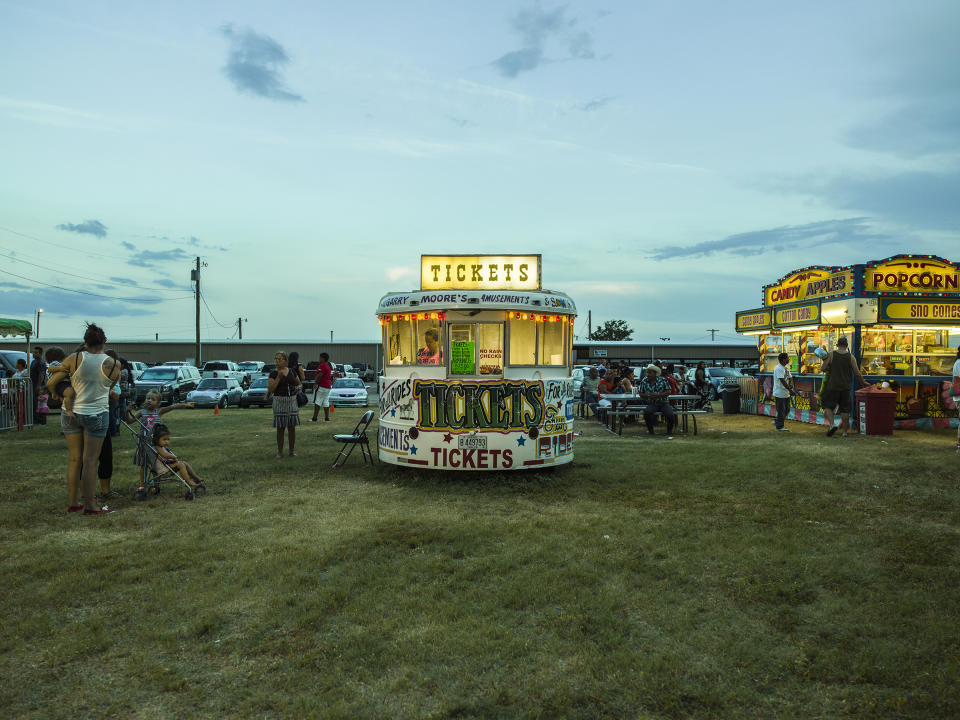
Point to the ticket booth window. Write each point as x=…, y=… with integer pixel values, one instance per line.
x=523, y=342
x=463, y=349
x=490, y=348
x=398, y=342
x=550, y=348
x=476, y=349
x=429, y=343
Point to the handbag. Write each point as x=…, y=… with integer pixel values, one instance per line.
x=301, y=398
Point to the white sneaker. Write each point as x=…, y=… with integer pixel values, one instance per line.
x=783, y=429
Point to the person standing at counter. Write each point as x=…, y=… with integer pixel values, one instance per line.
x=782, y=390
x=955, y=390
x=842, y=368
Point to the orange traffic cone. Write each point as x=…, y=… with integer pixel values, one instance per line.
x=332, y=407
x=216, y=409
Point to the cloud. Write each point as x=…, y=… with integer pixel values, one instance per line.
x=918, y=199
x=22, y=301
x=395, y=273
x=149, y=258
x=919, y=71
x=913, y=130
x=778, y=239
x=254, y=64
x=537, y=29
x=193, y=241
x=595, y=104
x=89, y=227
x=128, y=245
x=518, y=61
x=128, y=281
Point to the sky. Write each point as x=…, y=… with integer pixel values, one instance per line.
x=667, y=159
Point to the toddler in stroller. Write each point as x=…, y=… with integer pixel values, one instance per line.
x=166, y=463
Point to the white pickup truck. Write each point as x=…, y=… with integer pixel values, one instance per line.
x=225, y=369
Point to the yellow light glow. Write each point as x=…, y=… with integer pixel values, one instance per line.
x=480, y=272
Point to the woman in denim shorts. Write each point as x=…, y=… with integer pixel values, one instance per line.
x=92, y=374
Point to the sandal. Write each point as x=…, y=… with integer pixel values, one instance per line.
x=75, y=508
x=102, y=511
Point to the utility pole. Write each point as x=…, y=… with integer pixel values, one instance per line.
x=589, y=324
x=713, y=334
x=196, y=350
x=240, y=322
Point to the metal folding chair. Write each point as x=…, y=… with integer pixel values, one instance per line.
x=358, y=437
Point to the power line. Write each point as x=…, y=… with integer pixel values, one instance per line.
x=49, y=242
x=83, y=292
x=204, y=300
x=85, y=277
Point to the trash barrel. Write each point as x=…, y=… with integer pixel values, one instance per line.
x=877, y=407
x=730, y=391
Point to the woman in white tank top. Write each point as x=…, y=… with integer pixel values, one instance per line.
x=93, y=373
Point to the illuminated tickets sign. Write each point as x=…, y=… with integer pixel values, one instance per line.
x=920, y=312
x=479, y=272
x=809, y=284
x=753, y=320
x=911, y=274
x=798, y=315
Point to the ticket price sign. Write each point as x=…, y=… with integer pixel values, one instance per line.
x=462, y=357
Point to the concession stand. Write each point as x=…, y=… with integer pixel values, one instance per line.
x=477, y=367
x=901, y=317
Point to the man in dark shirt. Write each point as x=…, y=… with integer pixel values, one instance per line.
x=38, y=378
x=836, y=391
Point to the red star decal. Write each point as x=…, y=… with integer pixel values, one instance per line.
x=447, y=437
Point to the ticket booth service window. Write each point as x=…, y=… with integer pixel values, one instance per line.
x=476, y=349
x=550, y=348
x=538, y=342
x=429, y=343
x=887, y=350
x=523, y=342
x=398, y=342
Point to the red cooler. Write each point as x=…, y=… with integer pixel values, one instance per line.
x=877, y=407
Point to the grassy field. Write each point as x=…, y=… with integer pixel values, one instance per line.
x=741, y=573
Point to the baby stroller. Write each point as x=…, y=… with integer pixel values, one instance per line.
x=155, y=472
x=703, y=396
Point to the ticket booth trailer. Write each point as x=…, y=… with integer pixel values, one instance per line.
x=477, y=368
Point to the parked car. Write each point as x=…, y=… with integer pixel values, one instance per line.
x=216, y=391
x=365, y=371
x=310, y=374
x=173, y=382
x=176, y=362
x=267, y=369
x=257, y=394
x=136, y=367
x=8, y=361
x=716, y=376
x=224, y=369
x=252, y=369
x=349, y=391
x=343, y=370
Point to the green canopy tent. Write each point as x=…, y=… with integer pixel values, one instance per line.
x=15, y=328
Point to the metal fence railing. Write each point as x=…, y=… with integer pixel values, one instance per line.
x=16, y=404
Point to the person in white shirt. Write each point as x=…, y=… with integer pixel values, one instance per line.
x=782, y=390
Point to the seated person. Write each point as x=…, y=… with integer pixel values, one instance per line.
x=655, y=391
x=626, y=381
x=590, y=389
x=429, y=355
x=609, y=384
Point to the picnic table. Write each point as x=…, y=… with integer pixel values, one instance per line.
x=629, y=405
